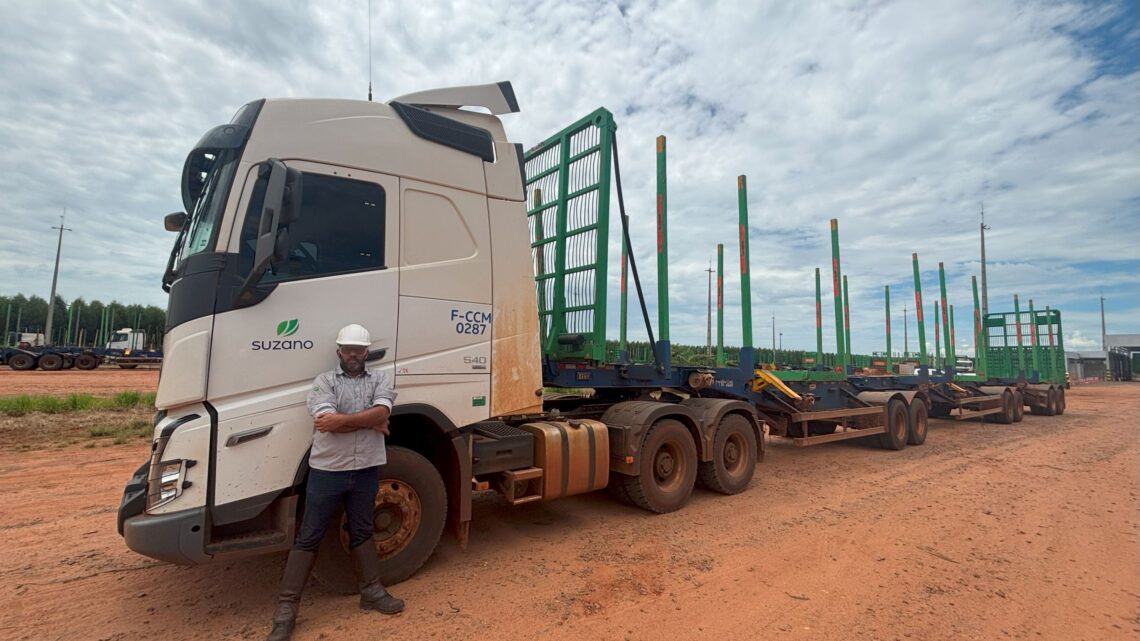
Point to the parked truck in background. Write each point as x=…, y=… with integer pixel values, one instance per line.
x=126, y=348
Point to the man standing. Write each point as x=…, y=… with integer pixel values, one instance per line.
x=350, y=407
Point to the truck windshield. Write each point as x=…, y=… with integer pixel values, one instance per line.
x=118, y=337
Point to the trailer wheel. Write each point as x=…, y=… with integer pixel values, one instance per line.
x=68, y=362
x=408, y=518
x=734, y=457
x=1018, y=406
x=897, y=426
x=86, y=361
x=667, y=469
x=22, y=362
x=1006, y=416
x=51, y=362
x=916, y=435
x=128, y=365
x=1050, y=407
x=1059, y=406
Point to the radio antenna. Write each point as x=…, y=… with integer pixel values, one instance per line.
x=369, y=50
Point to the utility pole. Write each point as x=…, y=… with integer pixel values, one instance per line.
x=708, y=331
x=985, y=290
x=1103, y=333
x=781, y=341
x=773, y=339
x=54, y=278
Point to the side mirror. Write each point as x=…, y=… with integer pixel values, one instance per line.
x=175, y=221
x=291, y=202
x=281, y=206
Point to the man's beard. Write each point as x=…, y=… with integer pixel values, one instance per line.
x=352, y=366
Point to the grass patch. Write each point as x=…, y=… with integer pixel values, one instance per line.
x=47, y=404
x=122, y=433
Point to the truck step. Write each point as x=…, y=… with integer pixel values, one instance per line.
x=497, y=447
x=248, y=541
x=520, y=486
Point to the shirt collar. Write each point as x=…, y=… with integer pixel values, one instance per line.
x=340, y=372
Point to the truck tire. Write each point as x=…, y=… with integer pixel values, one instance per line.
x=1018, y=406
x=1050, y=407
x=22, y=362
x=616, y=488
x=68, y=362
x=51, y=362
x=410, y=511
x=1059, y=406
x=898, y=426
x=86, y=361
x=128, y=365
x=667, y=468
x=918, y=422
x=734, y=457
x=1006, y=415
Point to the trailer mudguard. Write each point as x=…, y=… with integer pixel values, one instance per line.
x=710, y=411
x=628, y=422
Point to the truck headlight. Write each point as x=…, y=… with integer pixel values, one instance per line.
x=167, y=482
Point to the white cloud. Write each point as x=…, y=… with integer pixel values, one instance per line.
x=897, y=118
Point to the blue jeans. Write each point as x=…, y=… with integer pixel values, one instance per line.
x=325, y=492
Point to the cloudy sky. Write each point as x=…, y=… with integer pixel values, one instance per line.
x=897, y=118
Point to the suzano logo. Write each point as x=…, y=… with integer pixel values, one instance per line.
x=285, y=329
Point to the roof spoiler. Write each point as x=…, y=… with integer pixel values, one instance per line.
x=498, y=98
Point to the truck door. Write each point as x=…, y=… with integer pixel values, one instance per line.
x=340, y=268
x=443, y=356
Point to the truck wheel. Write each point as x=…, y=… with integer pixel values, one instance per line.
x=408, y=518
x=128, y=365
x=51, y=362
x=86, y=361
x=1018, y=406
x=667, y=469
x=918, y=423
x=616, y=488
x=1006, y=415
x=1059, y=406
x=734, y=457
x=22, y=362
x=68, y=362
x=897, y=426
x=1050, y=407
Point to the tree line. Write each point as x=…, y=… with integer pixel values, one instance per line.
x=79, y=322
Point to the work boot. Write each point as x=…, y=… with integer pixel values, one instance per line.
x=373, y=596
x=297, y=569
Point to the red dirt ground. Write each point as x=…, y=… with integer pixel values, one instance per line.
x=1026, y=531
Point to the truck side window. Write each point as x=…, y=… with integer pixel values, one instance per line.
x=341, y=229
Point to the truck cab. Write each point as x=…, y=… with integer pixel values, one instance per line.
x=302, y=216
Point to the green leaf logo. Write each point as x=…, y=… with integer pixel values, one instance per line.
x=287, y=327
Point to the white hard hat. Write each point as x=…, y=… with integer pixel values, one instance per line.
x=353, y=335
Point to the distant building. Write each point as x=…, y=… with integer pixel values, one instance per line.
x=1121, y=360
